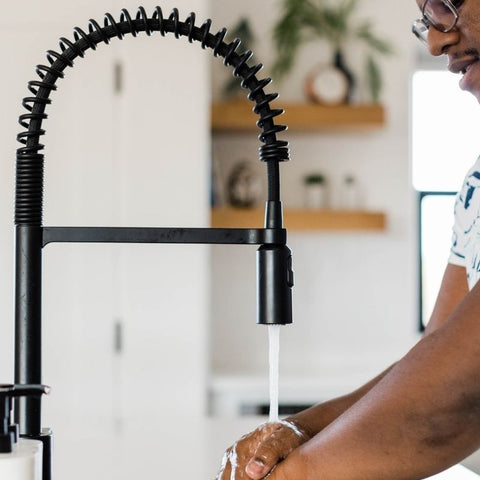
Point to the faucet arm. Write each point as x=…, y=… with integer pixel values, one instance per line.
x=226, y=236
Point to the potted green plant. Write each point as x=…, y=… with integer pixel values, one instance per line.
x=315, y=190
x=333, y=21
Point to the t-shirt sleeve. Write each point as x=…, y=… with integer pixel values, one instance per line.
x=463, y=218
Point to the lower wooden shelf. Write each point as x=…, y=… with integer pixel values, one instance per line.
x=300, y=219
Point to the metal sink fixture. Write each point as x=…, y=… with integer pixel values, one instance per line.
x=274, y=270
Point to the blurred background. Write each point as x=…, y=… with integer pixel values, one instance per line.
x=138, y=135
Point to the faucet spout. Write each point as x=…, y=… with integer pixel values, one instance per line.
x=274, y=285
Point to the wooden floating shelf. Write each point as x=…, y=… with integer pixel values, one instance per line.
x=238, y=116
x=301, y=220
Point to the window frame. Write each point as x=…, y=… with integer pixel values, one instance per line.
x=421, y=195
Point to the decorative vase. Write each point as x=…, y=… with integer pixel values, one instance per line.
x=339, y=62
x=244, y=186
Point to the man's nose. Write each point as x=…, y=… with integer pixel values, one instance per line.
x=439, y=42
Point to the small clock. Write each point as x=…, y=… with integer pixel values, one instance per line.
x=327, y=85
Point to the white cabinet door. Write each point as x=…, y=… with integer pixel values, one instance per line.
x=139, y=159
x=136, y=159
x=163, y=146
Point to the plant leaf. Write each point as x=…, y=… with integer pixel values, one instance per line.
x=382, y=46
x=374, y=79
x=288, y=36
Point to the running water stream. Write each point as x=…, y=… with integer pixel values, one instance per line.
x=273, y=359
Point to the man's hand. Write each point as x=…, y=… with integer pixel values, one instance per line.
x=257, y=453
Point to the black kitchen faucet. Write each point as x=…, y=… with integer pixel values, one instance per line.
x=274, y=269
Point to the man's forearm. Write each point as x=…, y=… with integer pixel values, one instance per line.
x=453, y=290
x=316, y=418
x=420, y=418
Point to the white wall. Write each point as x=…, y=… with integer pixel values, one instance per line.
x=355, y=305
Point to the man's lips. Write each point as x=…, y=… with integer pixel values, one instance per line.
x=466, y=66
x=470, y=79
x=462, y=65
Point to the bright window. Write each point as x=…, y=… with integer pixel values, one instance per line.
x=445, y=131
x=445, y=125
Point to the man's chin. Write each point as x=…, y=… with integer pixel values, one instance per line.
x=476, y=94
x=474, y=90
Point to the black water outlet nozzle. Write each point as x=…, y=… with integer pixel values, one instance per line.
x=274, y=285
x=8, y=430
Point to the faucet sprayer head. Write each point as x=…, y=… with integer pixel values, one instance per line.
x=274, y=285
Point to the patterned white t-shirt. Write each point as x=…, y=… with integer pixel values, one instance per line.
x=466, y=230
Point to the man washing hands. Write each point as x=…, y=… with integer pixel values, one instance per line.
x=421, y=415
x=255, y=454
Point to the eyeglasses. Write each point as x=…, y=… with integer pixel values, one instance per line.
x=440, y=14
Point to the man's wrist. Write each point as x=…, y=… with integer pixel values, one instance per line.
x=306, y=422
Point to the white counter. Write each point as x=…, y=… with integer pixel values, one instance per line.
x=456, y=473
x=176, y=448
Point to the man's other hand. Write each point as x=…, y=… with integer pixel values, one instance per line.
x=257, y=453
